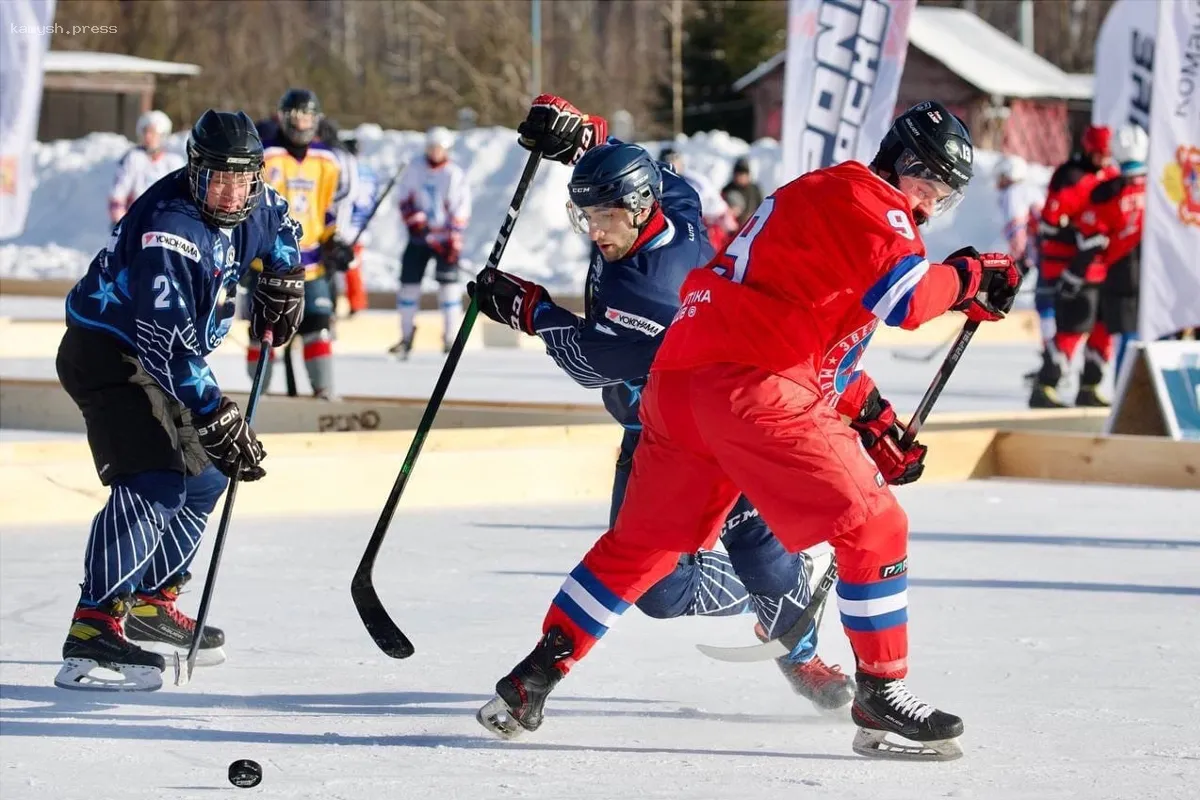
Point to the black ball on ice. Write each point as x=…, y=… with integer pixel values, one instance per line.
x=245, y=773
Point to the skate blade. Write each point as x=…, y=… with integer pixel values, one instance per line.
x=497, y=717
x=75, y=674
x=875, y=744
x=205, y=657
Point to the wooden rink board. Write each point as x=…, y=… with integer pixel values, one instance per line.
x=374, y=333
x=40, y=405
x=47, y=482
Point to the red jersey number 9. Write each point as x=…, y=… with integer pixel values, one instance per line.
x=734, y=262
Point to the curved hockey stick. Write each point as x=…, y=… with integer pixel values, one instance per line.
x=379, y=624
x=184, y=667
x=785, y=643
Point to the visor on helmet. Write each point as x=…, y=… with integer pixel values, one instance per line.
x=917, y=180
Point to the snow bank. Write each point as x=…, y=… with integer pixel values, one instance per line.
x=68, y=218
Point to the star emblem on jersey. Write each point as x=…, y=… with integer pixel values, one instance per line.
x=202, y=378
x=285, y=252
x=107, y=293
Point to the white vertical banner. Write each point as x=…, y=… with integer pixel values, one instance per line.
x=1125, y=65
x=1170, y=290
x=844, y=60
x=25, y=28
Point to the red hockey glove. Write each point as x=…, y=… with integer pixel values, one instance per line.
x=415, y=220
x=448, y=250
x=559, y=130
x=507, y=299
x=880, y=433
x=989, y=284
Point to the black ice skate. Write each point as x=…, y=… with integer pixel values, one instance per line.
x=96, y=641
x=156, y=623
x=885, y=706
x=1090, y=397
x=403, y=348
x=1044, y=396
x=521, y=695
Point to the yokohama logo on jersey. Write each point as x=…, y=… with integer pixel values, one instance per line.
x=170, y=241
x=634, y=322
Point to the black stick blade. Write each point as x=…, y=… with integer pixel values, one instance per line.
x=379, y=625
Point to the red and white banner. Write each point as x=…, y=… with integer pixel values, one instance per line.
x=844, y=61
x=25, y=28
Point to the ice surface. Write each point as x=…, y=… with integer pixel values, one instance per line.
x=1061, y=622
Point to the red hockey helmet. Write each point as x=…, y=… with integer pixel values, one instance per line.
x=1097, y=140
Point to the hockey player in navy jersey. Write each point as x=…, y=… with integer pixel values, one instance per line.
x=154, y=303
x=645, y=223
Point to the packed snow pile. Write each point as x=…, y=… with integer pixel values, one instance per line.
x=68, y=216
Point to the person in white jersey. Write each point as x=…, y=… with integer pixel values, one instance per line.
x=144, y=164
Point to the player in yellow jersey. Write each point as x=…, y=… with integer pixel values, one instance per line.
x=305, y=171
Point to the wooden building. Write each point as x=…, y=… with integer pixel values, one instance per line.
x=1014, y=100
x=84, y=92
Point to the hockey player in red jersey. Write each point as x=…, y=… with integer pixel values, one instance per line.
x=747, y=394
x=1060, y=245
x=1103, y=278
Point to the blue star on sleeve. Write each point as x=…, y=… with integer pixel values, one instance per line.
x=201, y=380
x=284, y=253
x=107, y=293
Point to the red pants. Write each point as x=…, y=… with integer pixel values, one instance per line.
x=711, y=432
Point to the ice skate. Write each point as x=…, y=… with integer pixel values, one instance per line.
x=826, y=687
x=1090, y=397
x=402, y=349
x=156, y=623
x=521, y=695
x=1044, y=396
x=96, y=641
x=885, y=706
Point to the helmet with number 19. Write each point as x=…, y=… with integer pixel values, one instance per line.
x=927, y=155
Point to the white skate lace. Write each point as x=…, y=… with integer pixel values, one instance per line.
x=906, y=702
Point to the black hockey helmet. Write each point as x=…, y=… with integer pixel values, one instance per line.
x=224, y=142
x=299, y=115
x=929, y=144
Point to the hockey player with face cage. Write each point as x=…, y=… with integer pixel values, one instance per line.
x=144, y=164
x=154, y=303
x=306, y=173
x=646, y=226
x=746, y=396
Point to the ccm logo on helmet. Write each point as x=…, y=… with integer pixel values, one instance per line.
x=170, y=241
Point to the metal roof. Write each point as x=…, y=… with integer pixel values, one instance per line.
x=976, y=52
x=84, y=61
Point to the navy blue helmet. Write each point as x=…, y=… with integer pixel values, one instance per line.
x=617, y=176
x=224, y=142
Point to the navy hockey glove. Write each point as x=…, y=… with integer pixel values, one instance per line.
x=336, y=255
x=277, y=305
x=559, y=130
x=876, y=425
x=230, y=443
x=507, y=299
x=989, y=284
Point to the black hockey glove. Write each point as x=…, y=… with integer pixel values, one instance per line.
x=277, y=305
x=336, y=255
x=507, y=299
x=559, y=130
x=230, y=443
